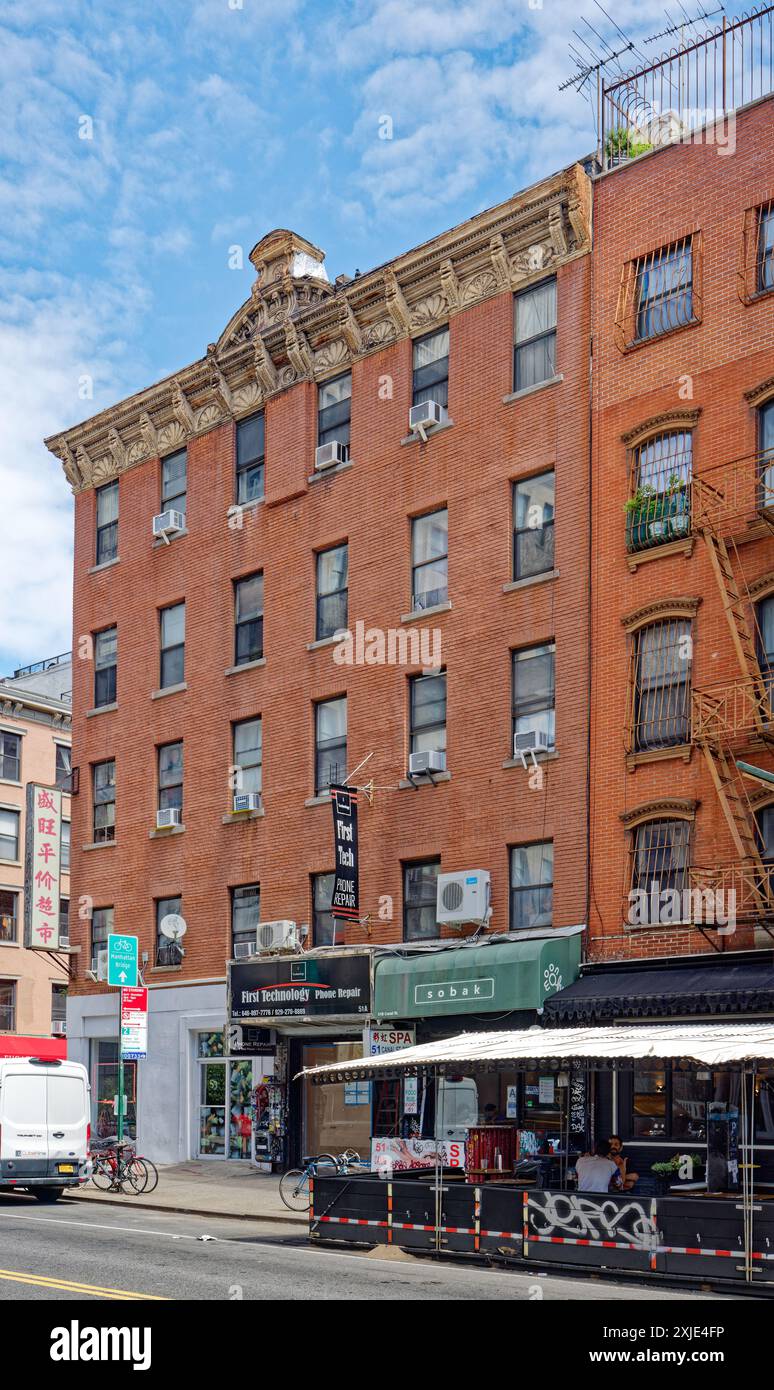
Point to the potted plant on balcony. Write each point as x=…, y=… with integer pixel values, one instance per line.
x=653, y=517
x=622, y=144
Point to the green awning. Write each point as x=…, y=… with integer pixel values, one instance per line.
x=499, y=978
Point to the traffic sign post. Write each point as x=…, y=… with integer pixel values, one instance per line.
x=122, y=958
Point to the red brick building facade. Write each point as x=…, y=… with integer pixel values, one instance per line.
x=683, y=403
x=517, y=409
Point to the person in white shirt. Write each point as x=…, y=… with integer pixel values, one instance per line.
x=596, y=1171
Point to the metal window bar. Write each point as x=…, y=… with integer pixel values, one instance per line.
x=660, y=856
x=688, y=91
x=662, y=685
x=659, y=506
x=756, y=260
x=663, y=287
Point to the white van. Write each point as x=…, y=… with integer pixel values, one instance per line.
x=457, y=1107
x=44, y=1125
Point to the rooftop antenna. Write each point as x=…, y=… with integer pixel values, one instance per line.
x=687, y=22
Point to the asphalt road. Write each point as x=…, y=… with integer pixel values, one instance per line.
x=73, y=1251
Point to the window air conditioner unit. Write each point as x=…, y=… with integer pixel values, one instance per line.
x=166, y=523
x=529, y=743
x=426, y=416
x=244, y=948
x=58, y=1028
x=166, y=819
x=102, y=965
x=463, y=896
x=246, y=801
x=433, y=760
x=277, y=936
x=328, y=455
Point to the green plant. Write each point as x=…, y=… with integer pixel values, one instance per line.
x=620, y=144
x=642, y=498
x=675, y=1163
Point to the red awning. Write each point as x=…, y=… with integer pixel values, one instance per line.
x=20, y=1045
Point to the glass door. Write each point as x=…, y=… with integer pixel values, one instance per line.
x=241, y=1122
x=225, y=1100
x=212, y=1110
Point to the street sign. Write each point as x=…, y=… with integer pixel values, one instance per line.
x=134, y=1024
x=122, y=960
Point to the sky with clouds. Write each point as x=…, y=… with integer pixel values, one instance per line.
x=140, y=142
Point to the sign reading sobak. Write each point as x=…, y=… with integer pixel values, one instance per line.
x=345, y=903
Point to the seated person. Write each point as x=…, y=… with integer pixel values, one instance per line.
x=597, y=1172
x=615, y=1149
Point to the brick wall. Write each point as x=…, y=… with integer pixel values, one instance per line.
x=468, y=821
x=637, y=209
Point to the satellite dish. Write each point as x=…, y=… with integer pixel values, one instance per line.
x=173, y=925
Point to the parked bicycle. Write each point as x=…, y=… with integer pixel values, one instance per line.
x=118, y=1167
x=294, y=1184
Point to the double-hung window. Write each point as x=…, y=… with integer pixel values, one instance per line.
x=9, y=914
x=63, y=767
x=101, y=929
x=330, y=743
x=7, y=1006
x=171, y=777
x=532, y=885
x=248, y=641
x=664, y=289
x=533, y=526
x=660, y=856
x=662, y=684
x=107, y=523
x=10, y=757
x=104, y=801
x=248, y=755
x=174, y=482
x=250, y=455
x=430, y=559
x=169, y=950
x=534, y=691
x=9, y=835
x=64, y=847
x=334, y=408
x=431, y=368
x=420, y=918
x=766, y=456
x=323, y=922
x=172, y=646
x=245, y=916
x=765, y=250
x=332, y=591
x=428, y=713
x=105, y=666
x=534, y=351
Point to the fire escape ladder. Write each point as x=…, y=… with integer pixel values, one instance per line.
x=736, y=616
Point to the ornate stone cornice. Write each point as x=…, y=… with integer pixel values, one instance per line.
x=296, y=326
x=681, y=607
x=762, y=587
x=670, y=420
x=760, y=393
x=672, y=807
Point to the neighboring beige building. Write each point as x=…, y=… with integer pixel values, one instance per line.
x=35, y=740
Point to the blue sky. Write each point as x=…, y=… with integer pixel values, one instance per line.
x=208, y=123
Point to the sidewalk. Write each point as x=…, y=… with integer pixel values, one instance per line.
x=232, y=1189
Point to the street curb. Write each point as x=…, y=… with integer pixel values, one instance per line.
x=187, y=1211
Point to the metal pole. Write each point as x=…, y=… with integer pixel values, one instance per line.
x=120, y=1116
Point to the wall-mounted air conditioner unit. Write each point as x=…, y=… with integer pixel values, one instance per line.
x=426, y=416
x=328, y=455
x=58, y=1028
x=242, y=949
x=432, y=760
x=102, y=965
x=246, y=801
x=165, y=820
x=277, y=936
x=167, y=523
x=530, y=742
x=463, y=896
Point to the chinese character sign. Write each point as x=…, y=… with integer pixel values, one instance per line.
x=42, y=867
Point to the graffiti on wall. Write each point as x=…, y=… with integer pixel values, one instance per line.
x=577, y=1216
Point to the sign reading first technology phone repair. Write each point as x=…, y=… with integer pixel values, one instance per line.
x=301, y=987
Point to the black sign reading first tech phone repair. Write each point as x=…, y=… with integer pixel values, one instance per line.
x=301, y=987
x=345, y=904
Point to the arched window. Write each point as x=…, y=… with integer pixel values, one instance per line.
x=662, y=684
x=660, y=856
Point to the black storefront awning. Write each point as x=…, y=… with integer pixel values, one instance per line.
x=666, y=991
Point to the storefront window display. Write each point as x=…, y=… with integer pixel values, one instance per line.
x=225, y=1100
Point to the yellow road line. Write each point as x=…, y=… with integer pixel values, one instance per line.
x=71, y=1286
